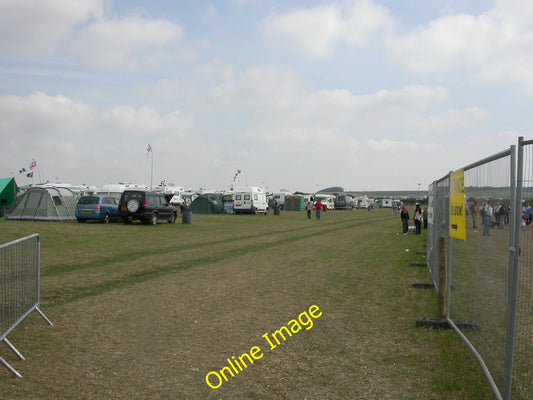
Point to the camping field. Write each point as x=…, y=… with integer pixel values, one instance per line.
x=148, y=312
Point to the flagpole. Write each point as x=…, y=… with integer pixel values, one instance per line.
x=148, y=151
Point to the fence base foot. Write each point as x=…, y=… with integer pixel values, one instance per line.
x=44, y=316
x=422, y=285
x=443, y=324
x=10, y=368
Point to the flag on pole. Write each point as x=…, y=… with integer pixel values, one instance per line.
x=148, y=150
x=30, y=175
x=22, y=170
x=33, y=164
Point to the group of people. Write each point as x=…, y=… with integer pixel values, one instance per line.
x=310, y=206
x=490, y=216
x=420, y=219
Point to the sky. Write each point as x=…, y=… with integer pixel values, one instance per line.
x=298, y=95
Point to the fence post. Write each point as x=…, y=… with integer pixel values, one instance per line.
x=514, y=269
x=441, y=293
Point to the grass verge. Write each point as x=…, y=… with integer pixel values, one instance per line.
x=146, y=312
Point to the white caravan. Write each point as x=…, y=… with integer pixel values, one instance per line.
x=250, y=200
x=327, y=200
x=280, y=198
x=363, y=202
x=117, y=189
x=386, y=203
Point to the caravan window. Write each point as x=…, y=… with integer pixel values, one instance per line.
x=246, y=197
x=238, y=197
x=256, y=197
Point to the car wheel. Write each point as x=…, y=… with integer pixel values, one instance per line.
x=172, y=218
x=133, y=206
x=254, y=211
x=106, y=219
x=153, y=219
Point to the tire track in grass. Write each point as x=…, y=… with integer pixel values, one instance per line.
x=68, y=268
x=58, y=297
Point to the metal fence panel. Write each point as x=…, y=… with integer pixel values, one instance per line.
x=438, y=203
x=480, y=264
x=490, y=274
x=523, y=346
x=19, y=281
x=19, y=287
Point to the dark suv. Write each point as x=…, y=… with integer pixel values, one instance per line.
x=146, y=206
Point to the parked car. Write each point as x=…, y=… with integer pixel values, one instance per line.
x=146, y=206
x=97, y=207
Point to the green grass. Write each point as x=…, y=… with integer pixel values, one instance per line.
x=146, y=312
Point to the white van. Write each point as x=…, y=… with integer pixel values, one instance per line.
x=250, y=200
x=327, y=200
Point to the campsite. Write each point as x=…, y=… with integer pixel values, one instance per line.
x=149, y=319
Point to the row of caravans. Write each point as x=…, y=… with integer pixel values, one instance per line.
x=249, y=200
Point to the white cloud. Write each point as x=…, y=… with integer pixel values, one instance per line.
x=67, y=136
x=34, y=27
x=280, y=102
x=496, y=45
x=316, y=31
x=386, y=148
x=114, y=43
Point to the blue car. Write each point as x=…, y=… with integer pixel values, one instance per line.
x=98, y=208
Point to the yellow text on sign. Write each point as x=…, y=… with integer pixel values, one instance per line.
x=457, y=227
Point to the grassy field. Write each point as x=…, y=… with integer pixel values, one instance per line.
x=146, y=312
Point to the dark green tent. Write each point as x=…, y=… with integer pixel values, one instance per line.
x=8, y=193
x=207, y=203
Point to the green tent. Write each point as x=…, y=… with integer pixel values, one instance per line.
x=207, y=203
x=8, y=193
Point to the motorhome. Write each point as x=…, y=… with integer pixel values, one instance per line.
x=250, y=200
x=362, y=202
x=327, y=200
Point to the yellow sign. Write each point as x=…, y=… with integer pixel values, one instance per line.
x=457, y=205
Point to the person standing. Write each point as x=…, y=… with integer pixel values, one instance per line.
x=309, y=208
x=404, y=216
x=318, y=209
x=426, y=215
x=474, y=212
x=418, y=219
x=488, y=211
